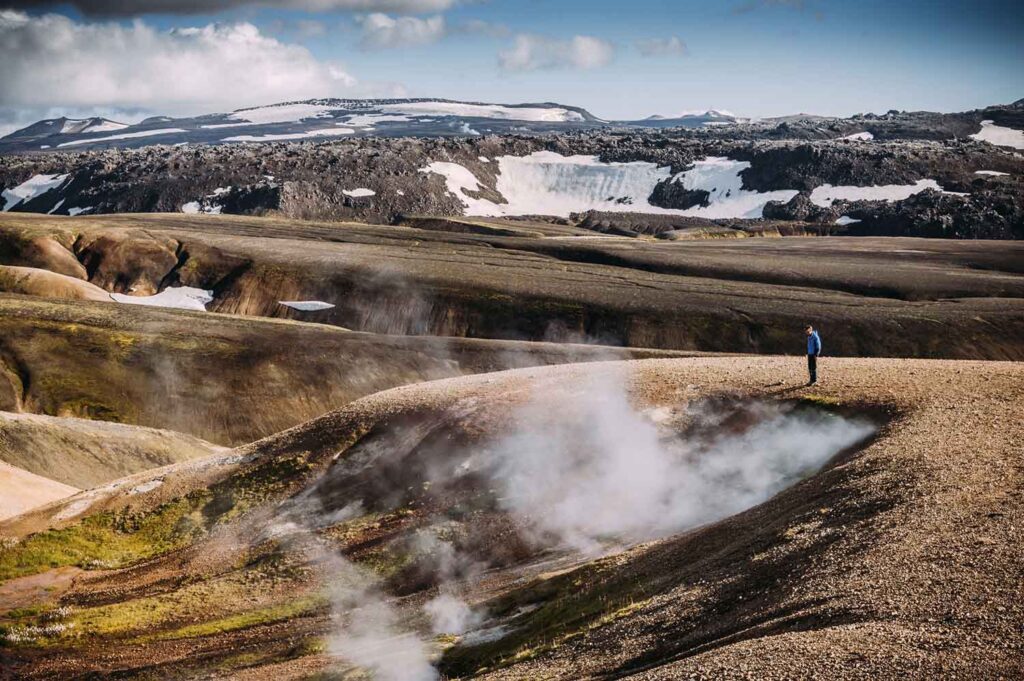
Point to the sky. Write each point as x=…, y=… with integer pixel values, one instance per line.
x=625, y=59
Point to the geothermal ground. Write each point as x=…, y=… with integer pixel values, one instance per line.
x=262, y=448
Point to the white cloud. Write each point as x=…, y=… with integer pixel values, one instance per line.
x=532, y=52
x=52, y=61
x=480, y=27
x=672, y=46
x=120, y=8
x=380, y=31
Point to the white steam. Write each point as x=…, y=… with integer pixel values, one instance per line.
x=372, y=635
x=598, y=470
x=370, y=632
x=581, y=468
x=449, y=614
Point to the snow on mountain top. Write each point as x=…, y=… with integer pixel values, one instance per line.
x=299, y=111
x=694, y=113
x=127, y=135
x=284, y=137
x=497, y=111
x=78, y=126
x=281, y=113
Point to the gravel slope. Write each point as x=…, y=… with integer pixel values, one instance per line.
x=900, y=560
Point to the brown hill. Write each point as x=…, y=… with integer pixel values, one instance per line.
x=869, y=296
x=223, y=378
x=88, y=454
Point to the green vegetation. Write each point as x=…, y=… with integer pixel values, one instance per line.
x=112, y=540
x=107, y=539
x=243, y=620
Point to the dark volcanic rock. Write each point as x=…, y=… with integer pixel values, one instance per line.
x=316, y=180
x=669, y=194
x=933, y=214
x=801, y=208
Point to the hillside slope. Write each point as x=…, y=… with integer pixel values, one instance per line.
x=884, y=297
x=222, y=378
x=88, y=454
x=898, y=558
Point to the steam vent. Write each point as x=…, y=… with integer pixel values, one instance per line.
x=438, y=340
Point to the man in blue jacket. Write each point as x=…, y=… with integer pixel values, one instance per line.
x=813, y=350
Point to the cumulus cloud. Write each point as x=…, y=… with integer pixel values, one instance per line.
x=119, y=8
x=52, y=61
x=672, y=46
x=380, y=31
x=533, y=52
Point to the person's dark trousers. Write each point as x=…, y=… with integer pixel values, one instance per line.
x=812, y=367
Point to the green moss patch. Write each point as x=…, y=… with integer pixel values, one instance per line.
x=107, y=540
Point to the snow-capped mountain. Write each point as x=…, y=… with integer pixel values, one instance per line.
x=65, y=126
x=306, y=120
x=688, y=119
x=325, y=119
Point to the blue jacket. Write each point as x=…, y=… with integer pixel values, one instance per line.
x=813, y=344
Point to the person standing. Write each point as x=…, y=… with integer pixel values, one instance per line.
x=813, y=350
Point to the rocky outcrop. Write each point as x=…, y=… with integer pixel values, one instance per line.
x=669, y=194
x=318, y=180
x=800, y=208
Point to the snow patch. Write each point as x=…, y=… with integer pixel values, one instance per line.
x=358, y=193
x=993, y=173
x=78, y=211
x=1000, y=136
x=125, y=136
x=280, y=113
x=720, y=177
x=495, y=111
x=483, y=159
x=826, y=194
x=859, y=136
x=179, y=297
x=79, y=126
x=325, y=132
x=306, y=305
x=546, y=183
x=846, y=220
x=35, y=186
x=55, y=208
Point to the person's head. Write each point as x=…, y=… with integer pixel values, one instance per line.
x=809, y=330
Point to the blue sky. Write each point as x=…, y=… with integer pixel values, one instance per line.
x=752, y=57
